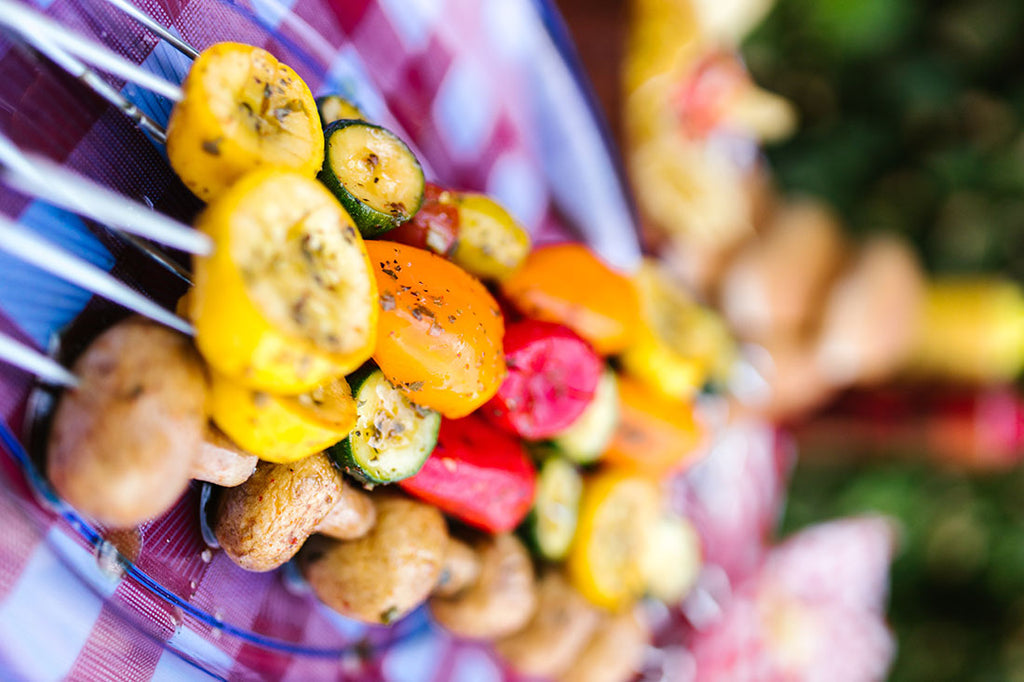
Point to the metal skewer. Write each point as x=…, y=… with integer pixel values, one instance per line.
x=29, y=359
x=43, y=179
x=45, y=34
x=154, y=26
x=45, y=255
x=73, y=53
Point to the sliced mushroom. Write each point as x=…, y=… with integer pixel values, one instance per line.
x=501, y=601
x=263, y=522
x=614, y=653
x=220, y=461
x=383, y=575
x=559, y=630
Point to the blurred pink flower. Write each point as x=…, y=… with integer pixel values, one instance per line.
x=813, y=612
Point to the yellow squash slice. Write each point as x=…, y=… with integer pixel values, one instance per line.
x=241, y=109
x=282, y=429
x=607, y=559
x=288, y=298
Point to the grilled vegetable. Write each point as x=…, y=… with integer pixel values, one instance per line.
x=435, y=227
x=586, y=439
x=351, y=517
x=567, y=284
x=387, y=572
x=220, y=460
x=335, y=107
x=392, y=437
x=656, y=434
x=552, y=376
x=606, y=563
x=763, y=295
x=262, y=523
x=615, y=653
x=461, y=569
x=122, y=442
x=502, y=599
x=680, y=344
x=672, y=560
x=872, y=315
x=288, y=299
x=241, y=109
x=282, y=428
x=551, y=524
x=440, y=331
x=374, y=174
x=491, y=244
x=560, y=628
x=478, y=474
x=972, y=330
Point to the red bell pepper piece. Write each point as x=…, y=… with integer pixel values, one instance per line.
x=477, y=474
x=435, y=226
x=552, y=376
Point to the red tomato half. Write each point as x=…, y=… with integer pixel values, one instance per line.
x=552, y=376
x=435, y=226
x=477, y=474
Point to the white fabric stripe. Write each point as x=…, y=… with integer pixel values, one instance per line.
x=49, y=614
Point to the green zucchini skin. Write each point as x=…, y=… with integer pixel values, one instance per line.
x=371, y=221
x=356, y=456
x=550, y=526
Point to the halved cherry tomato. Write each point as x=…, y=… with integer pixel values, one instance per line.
x=656, y=434
x=552, y=376
x=566, y=283
x=478, y=474
x=435, y=226
x=440, y=331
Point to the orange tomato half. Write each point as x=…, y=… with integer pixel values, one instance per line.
x=656, y=434
x=566, y=283
x=439, y=336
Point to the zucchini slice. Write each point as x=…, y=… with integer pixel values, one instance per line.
x=673, y=560
x=335, y=108
x=392, y=438
x=374, y=174
x=586, y=439
x=551, y=524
